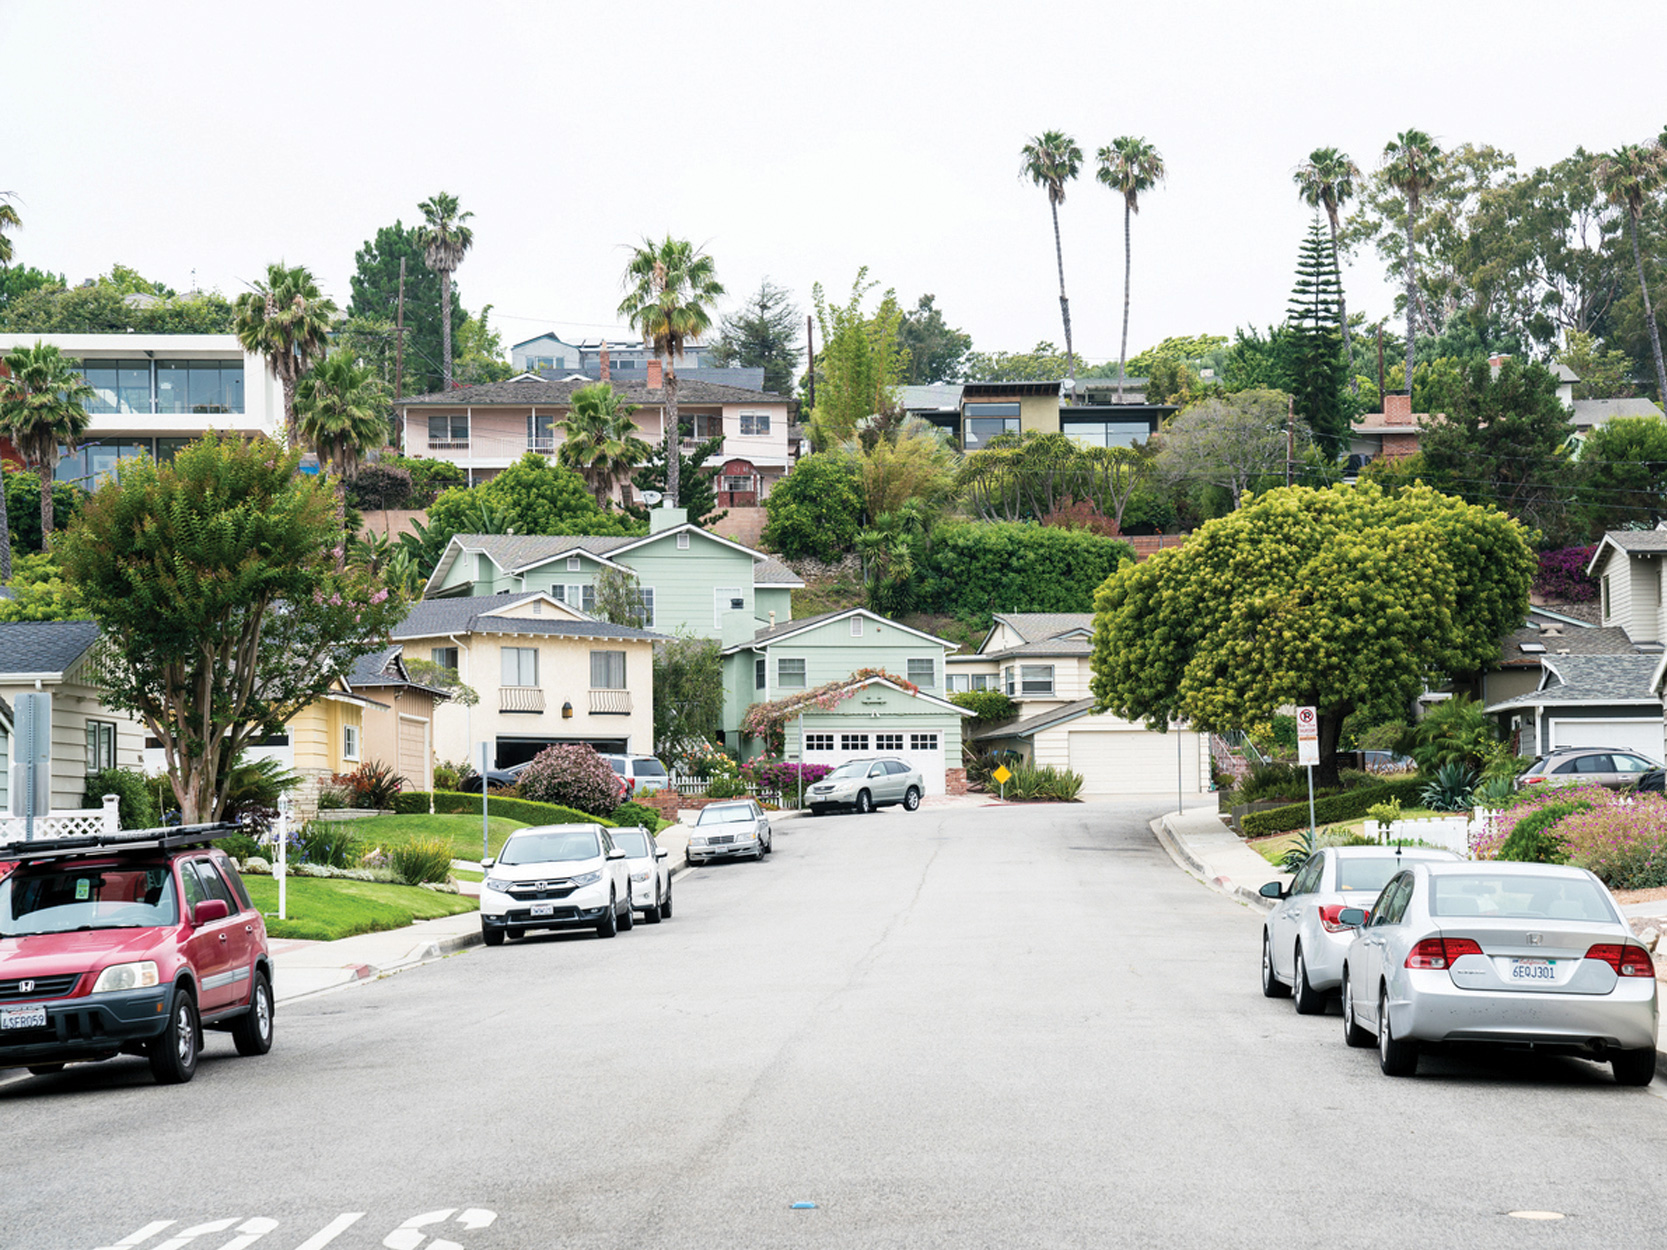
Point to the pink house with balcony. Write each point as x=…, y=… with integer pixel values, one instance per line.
x=484, y=429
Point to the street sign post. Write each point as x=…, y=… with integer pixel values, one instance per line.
x=485, y=841
x=1308, y=751
x=32, y=760
x=1002, y=777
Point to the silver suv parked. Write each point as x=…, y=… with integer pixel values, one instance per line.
x=863, y=785
x=1587, y=766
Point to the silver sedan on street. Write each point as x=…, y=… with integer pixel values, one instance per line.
x=1533, y=955
x=1303, y=941
x=725, y=829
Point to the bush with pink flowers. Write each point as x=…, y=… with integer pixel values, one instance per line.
x=1622, y=837
x=571, y=775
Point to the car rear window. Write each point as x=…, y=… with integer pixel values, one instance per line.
x=1367, y=874
x=648, y=768
x=634, y=842
x=68, y=897
x=1498, y=896
x=545, y=848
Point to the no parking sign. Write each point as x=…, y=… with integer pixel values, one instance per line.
x=1308, y=736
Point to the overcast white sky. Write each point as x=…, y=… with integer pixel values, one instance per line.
x=798, y=141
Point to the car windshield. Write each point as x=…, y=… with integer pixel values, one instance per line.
x=649, y=768
x=66, y=898
x=852, y=768
x=1366, y=874
x=727, y=814
x=634, y=842
x=544, y=848
x=1519, y=897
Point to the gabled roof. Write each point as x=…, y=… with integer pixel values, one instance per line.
x=1035, y=724
x=1627, y=542
x=43, y=649
x=386, y=668
x=483, y=614
x=772, y=572
x=1593, y=680
x=787, y=629
x=1036, y=626
x=525, y=392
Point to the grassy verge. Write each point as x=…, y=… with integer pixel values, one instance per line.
x=326, y=908
x=463, y=832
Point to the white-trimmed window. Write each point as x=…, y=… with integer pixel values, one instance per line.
x=575, y=595
x=888, y=742
x=819, y=742
x=958, y=683
x=573, y=564
x=1007, y=679
x=856, y=627
x=1036, y=679
x=924, y=673
x=520, y=666
x=541, y=431
x=853, y=742
x=790, y=674
x=607, y=670
x=737, y=485
x=923, y=742
x=101, y=745
x=683, y=541
x=445, y=657
x=350, y=742
x=760, y=673
x=645, y=601
x=450, y=430
x=755, y=423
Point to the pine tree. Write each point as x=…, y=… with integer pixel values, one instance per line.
x=1317, y=369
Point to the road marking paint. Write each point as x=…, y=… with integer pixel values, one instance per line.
x=1535, y=1215
x=144, y=1234
x=406, y=1236
x=475, y=1218
x=250, y=1231
x=195, y=1231
x=331, y=1231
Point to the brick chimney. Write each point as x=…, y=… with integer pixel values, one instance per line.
x=1397, y=408
x=654, y=380
x=604, y=362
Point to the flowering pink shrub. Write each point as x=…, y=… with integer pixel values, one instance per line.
x=1529, y=802
x=572, y=776
x=765, y=773
x=1621, y=837
x=1562, y=575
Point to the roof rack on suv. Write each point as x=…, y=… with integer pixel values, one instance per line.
x=169, y=839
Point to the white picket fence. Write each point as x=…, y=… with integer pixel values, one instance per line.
x=691, y=786
x=66, y=824
x=1452, y=833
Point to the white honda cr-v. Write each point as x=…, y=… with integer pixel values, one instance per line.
x=555, y=877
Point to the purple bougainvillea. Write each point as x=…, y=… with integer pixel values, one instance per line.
x=1562, y=576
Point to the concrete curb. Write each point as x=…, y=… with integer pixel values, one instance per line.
x=1184, y=858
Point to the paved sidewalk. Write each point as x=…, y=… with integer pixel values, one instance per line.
x=1202, y=844
x=302, y=968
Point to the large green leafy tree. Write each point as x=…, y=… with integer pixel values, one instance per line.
x=1029, y=477
x=1503, y=438
x=1631, y=176
x=763, y=334
x=688, y=693
x=1623, y=474
x=287, y=319
x=816, y=510
x=1603, y=371
x=1326, y=180
x=532, y=496
x=937, y=351
x=223, y=610
x=1130, y=166
x=445, y=239
x=375, y=307
x=36, y=303
x=1338, y=599
x=1050, y=160
x=600, y=440
x=1239, y=442
x=42, y=410
x=1316, y=361
x=698, y=478
x=670, y=287
x=861, y=364
x=20, y=509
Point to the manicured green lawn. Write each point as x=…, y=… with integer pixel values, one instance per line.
x=327, y=908
x=463, y=832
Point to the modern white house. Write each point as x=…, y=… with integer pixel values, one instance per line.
x=158, y=392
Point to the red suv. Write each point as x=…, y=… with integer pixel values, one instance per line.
x=131, y=944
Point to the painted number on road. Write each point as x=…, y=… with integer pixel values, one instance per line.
x=410, y=1235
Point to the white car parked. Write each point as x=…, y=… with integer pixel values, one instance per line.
x=725, y=829
x=643, y=773
x=647, y=863
x=1303, y=941
x=555, y=877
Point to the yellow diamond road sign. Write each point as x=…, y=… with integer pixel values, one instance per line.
x=1002, y=776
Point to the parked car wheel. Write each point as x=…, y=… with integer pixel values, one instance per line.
x=1353, y=1034
x=865, y=802
x=1309, y=1001
x=173, y=1056
x=665, y=904
x=1633, y=1067
x=627, y=916
x=1272, y=986
x=1395, y=1056
x=491, y=936
x=651, y=915
x=609, y=924
x=252, y=1034
x=911, y=800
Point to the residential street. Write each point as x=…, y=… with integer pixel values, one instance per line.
x=989, y=1027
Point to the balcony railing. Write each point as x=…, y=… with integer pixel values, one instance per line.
x=521, y=699
x=448, y=444
x=610, y=702
x=541, y=444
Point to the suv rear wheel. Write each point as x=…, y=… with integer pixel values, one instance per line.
x=173, y=1056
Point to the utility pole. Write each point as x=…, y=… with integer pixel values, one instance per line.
x=1290, y=436
x=399, y=337
x=810, y=357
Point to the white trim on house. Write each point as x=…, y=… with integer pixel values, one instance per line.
x=817, y=622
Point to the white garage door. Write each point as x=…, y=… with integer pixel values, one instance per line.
x=1132, y=761
x=919, y=748
x=1643, y=736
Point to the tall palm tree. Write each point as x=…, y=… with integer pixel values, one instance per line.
x=342, y=412
x=1412, y=163
x=668, y=286
x=1629, y=177
x=42, y=408
x=9, y=220
x=287, y=319
x=1327, y=181
x=444, y=239
x=1050, y=160
x=599, y=440
x=1129, y=166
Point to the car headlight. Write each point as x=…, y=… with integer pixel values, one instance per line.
x=639, y=877
x=135, y=976
x=589, y=878
x=499, y=884
x=697, y=841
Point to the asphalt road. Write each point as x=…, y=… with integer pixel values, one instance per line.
x=974, y=1028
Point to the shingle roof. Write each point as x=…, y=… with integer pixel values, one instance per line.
x=377, y=668
x=1035, y=626
x=528, y=392
x=772, y=572
x=1573, y=640
x=803, y=622
x=1638, y=540
x=1591, y=679
x=1032, y=724
x=1590, y=412
x=431, y=618
x=1063, y=648
x=772, y=632
x=44, y=646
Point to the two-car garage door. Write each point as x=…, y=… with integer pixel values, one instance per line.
x=1642, y=735
x=919, y=748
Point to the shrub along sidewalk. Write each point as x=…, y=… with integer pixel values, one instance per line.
x=325, y=909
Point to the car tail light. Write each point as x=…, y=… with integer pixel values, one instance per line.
x=1441, y=953
x=1627, y=961
x=1328, y=918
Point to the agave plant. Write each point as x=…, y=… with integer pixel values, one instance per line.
x=1495, y=793
x=1296, y=855
x=1451, y=789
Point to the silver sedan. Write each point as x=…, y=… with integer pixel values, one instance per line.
x=725, y=829
x=1303, y=941
x=1533, y=955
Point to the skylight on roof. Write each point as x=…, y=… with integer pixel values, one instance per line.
x=1533, y=648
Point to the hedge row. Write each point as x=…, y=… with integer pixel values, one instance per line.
x=1329, y=810
x=995, y=566
x=454, y=802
